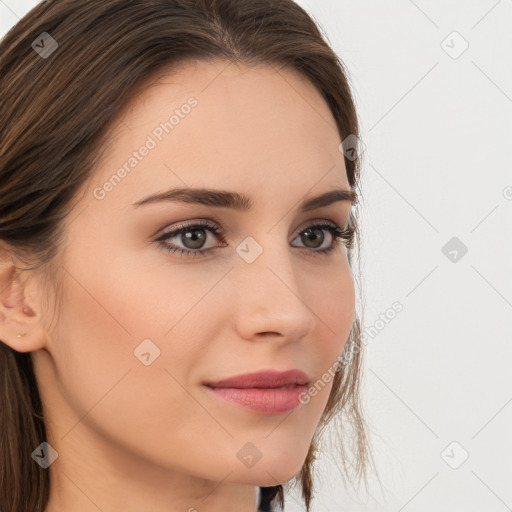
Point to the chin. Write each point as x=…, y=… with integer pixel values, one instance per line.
x=266, y=475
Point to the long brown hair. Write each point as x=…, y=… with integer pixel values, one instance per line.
x=55, y=114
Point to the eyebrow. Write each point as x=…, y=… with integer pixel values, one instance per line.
x=240, y=201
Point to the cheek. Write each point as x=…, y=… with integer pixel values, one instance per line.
x=333, y=305
x=141, y=407
x=110, y=318
x=334, y=308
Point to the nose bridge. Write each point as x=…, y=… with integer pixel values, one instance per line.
x=269, y=291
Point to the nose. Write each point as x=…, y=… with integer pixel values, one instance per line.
x=272, y=299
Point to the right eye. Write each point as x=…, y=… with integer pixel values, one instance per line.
x=192, y=234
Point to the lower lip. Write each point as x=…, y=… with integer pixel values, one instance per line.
x=262, y=400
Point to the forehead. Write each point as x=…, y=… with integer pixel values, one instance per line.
x=207, y=123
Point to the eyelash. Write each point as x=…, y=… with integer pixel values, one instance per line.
x=340, y=237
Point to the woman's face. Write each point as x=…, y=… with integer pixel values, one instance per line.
x=141, y=329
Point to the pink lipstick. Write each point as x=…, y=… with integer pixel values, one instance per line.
x=266, y=392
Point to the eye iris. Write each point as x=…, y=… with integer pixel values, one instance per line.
x=197, y=240
x=309, y=235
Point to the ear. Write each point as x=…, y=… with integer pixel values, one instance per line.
x=18, y=314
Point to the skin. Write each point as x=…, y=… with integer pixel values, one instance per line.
x=133, y=437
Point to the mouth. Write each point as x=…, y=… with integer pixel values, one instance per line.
x=263, y=401
x=267, y=379
x=264, y=392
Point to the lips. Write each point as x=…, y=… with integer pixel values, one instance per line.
x=265, y=392
x=261, y=400
x=268, y=379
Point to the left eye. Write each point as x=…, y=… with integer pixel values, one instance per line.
x=193, y=236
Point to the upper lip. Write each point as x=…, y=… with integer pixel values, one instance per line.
x=263, y=379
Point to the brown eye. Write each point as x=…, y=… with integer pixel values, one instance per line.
x=192, y=236
x=313, y=237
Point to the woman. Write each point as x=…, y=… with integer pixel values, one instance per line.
x=177, y=190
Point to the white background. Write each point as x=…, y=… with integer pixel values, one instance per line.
x=438, y=136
